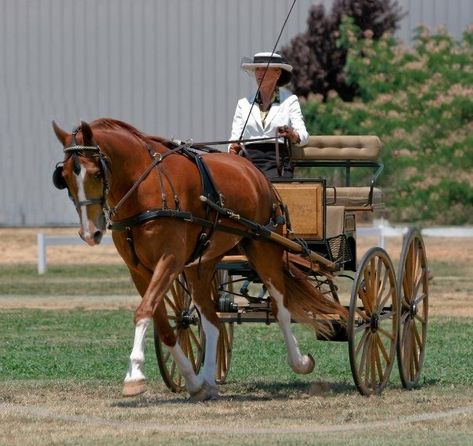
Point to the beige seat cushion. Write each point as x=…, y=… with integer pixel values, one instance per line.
x=352, y=196
x=334, y=147
x=335, y=219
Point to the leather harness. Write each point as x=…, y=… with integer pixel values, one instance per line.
x=211, y=197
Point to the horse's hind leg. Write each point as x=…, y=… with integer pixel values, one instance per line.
x=267, y=260
x=199, y=280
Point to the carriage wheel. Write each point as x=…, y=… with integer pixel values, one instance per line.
x=225, y=338
x=413, y=285
x=186, y=323
x=373, y=322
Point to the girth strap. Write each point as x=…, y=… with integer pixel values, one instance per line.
x=153, y=214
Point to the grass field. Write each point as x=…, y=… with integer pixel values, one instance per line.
x=66, y=338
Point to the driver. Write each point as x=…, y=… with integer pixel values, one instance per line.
x=275, y=111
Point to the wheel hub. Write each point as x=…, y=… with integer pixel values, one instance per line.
x=413, y=310
x=374, y=322
x=186, y=320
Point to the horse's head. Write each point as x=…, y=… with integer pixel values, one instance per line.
x=84, y=174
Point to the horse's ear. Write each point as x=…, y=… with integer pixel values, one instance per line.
x=60, y=133
x=87, y=134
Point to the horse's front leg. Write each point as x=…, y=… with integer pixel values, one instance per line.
x=135, y=380
x=152, y=307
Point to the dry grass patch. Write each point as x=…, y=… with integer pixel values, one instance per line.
x=94, y=412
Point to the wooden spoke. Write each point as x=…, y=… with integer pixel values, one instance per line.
x=382, y=348
x=422, y=297
x=382, y=302
x=364, y=362
x=379, y=368
x=173, y=307
x=373, y=364
x=197, y=340
x=390, y=336
x=362, y=341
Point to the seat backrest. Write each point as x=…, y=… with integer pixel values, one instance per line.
x=338, y=147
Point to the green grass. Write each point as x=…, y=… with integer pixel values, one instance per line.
x=69, y=280
x=95, y=345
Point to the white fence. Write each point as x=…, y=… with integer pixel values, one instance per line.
x=381, y=229
x=54, y=240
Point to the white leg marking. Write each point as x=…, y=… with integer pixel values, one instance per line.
x=211, y=340
x=193, y=382
x=137, y=357
x=298, y=362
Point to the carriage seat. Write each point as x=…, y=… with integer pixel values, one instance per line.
x=338, y=147
x=353, y=197
x=343, y=151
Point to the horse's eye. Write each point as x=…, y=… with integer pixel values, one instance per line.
x=98, y=175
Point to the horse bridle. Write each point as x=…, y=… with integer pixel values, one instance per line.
x=76, y=150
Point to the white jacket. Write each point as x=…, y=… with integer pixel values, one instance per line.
x=286, y=112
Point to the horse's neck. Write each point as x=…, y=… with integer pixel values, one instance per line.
x=129, y=158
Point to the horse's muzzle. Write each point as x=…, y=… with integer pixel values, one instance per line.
x=92, y=239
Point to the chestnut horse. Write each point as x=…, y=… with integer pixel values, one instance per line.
x=111, y=165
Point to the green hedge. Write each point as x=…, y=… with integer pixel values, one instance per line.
x=419, y=101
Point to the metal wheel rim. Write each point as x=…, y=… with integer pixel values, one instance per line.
x=414, y=296
x=187, y=327
x=373, y=323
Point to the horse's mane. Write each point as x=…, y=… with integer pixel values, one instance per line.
x=109, y=123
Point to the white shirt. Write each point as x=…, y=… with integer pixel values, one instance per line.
x=286, y=112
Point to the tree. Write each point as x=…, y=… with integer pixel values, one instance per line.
x=317, y=56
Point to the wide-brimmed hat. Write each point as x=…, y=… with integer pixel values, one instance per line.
x=270, y=60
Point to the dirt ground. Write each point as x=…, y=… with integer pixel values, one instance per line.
x=450, y=260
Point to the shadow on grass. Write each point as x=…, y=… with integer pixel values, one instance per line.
x=255, y=391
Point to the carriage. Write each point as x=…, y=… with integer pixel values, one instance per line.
x=388, y=309
x=380, y=313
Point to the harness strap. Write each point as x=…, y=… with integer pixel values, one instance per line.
x=154, y=214
x=157, y=158
x=123, y=225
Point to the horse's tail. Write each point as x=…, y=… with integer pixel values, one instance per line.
x=308, y=305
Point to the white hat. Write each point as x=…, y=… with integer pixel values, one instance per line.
x=269, y=60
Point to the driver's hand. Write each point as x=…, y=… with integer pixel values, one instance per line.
x=289, y=133
x=235, y=148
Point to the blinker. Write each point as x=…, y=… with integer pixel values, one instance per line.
x=58, y=179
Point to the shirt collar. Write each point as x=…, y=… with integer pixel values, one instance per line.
x=275, y=99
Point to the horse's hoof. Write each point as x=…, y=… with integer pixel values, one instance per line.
x=134, y=388
x=205, y=393
x=311, y=364
x=306, y=365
